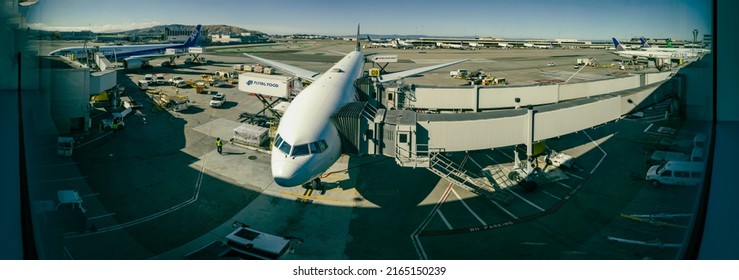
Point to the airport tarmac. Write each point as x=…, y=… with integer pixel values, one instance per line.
x=159, y=190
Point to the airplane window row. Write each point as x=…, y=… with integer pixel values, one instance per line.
x=300, y=150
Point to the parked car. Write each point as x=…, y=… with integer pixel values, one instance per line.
x=218, y=100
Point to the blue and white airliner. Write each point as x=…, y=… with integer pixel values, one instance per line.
x=133, y=56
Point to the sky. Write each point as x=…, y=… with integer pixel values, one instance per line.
x=565, y=19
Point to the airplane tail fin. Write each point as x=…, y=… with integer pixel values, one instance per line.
x=369, y=39
x=644, y=43
x=193, y=39
x=358, y=47
x=618, y=45
x=669, y=43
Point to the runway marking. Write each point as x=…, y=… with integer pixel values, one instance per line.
x=648, y=127
x=549, y=194
x=468, y=208
x=526, y=200
x=503, y=209
x=308, y=196
x=599, y=148
x=101, y=216
x=473, y=161
x=438, y=211
x=93, y=140
x=506, y=155
x=573, y=175
x=563, y=184
x=414, y=236
x=193, y=199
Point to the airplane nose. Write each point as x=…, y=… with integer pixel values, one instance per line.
x=286, y=174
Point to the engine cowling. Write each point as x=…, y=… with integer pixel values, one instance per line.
x=133, y=63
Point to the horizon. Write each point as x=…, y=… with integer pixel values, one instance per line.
x=571, y=19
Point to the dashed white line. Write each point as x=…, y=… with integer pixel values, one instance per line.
x=468, y=208
x=438, y=211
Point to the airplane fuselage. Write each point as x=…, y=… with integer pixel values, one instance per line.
x=119, y=52
x=308, y=143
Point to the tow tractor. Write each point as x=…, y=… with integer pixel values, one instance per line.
x=116, y=122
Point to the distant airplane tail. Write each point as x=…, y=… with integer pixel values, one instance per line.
x=618, y=45
x=644, y=43
x=669, y=43
x=193, y=39
x=369, y=39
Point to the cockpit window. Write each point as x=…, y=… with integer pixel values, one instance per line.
x=282, y=145
x=322, y=145
x=314, y=148
x=278, y=141
x=300, y=150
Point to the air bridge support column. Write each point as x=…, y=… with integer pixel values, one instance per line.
x=530, y=139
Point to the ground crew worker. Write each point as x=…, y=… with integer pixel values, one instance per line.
x=219, y=146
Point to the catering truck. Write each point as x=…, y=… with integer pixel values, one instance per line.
x=270, y=85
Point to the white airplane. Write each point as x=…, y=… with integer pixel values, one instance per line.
x=376, y=44
x=649, y=55
x=686, y=51
x=398, y=44
x=307, y=143
x=134, y=56
x=450, y=46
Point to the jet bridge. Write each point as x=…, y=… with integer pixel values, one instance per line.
x=418, y=139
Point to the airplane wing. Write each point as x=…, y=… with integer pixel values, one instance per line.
x=297, y=71
x=402, y=74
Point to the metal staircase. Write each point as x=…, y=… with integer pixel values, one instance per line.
x=455, y=173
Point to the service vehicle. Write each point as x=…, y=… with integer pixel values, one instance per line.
x=218, y=100
x=686, y=173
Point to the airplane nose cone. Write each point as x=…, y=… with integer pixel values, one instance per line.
x=286, y=174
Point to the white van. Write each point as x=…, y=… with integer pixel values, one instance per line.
x=143, y=85
x=257, y=244
x=673, y=172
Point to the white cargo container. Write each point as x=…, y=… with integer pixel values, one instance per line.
x=277, y=86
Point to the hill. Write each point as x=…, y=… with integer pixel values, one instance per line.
x=209, y=29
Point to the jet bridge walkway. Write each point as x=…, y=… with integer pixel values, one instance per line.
x=420, y=140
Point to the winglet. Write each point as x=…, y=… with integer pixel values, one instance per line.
x=358, y=47
x=618, y=45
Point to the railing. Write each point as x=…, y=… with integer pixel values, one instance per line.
x=456, y=174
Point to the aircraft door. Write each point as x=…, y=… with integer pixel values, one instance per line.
x=403, y=143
